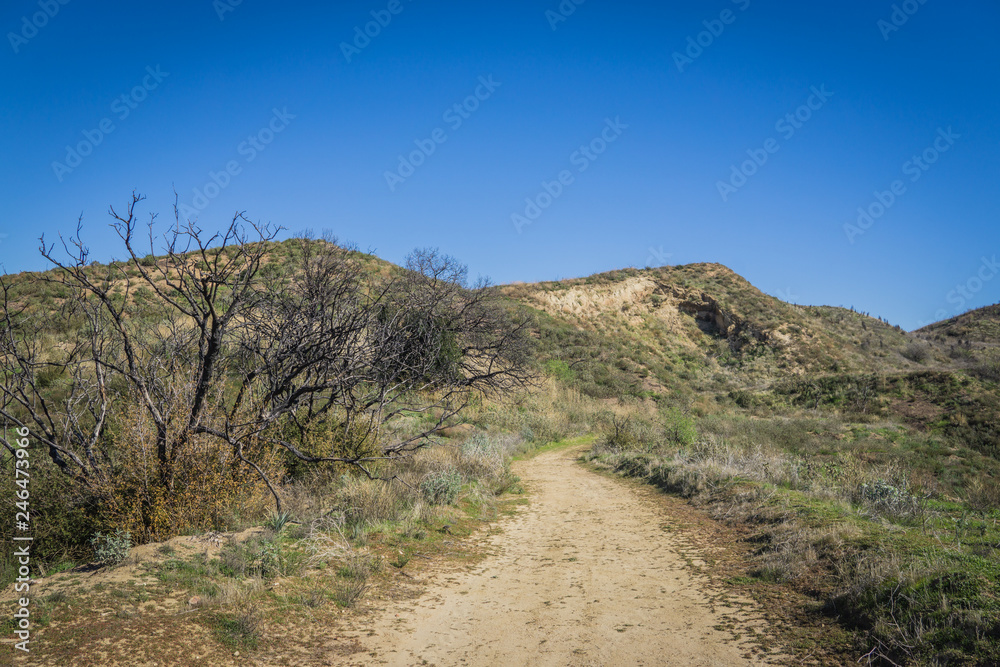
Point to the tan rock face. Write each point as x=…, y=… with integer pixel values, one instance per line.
x=706, y=309
x=591, y=300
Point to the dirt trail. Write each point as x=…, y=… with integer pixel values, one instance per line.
x=590, y=573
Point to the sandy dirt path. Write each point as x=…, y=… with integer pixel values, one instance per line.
x=590, y=573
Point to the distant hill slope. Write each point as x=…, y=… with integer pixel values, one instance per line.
x=978, y=326
x=661, y=325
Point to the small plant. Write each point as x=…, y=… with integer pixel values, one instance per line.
x=961, y=526
x=442, y=486
x=347, y=592
x=881, y=498
x=484, y=459
x=58, y=597
x=111, y=549
x=359, y=566
x=352, y=580
x=62, y=567
x=623, y=438
x=366, y=503
x=413, y=530
x=256, y=558
x=278, y=521
x=245, y=627
x=916, y=352
x=983, y=494
x=477, y=445
x=314, y=598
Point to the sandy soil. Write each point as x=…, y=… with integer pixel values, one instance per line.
x=590, y=573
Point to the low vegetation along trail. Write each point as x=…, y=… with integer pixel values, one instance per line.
x=590, y=573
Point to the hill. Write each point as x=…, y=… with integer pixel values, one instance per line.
x=701, y=326
x=980, y=327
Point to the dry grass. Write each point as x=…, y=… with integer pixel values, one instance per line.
x=553, y=412
x=983, y=494
x=246, y=624
x=366, y=503
x=912, y=570
x=326, y=540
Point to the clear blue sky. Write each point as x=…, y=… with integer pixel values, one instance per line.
x=677, y=128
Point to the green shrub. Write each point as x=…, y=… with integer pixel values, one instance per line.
x=883, y=499
x=259, y=558
x=622, y=435
x=745, y=399
x=989, y=369
x=560, y=370
x=111, y=549
x=441, y=487
x=916, y=352
x=679, y=428
x=278, y=521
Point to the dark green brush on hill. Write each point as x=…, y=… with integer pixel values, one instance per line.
x=978, y=326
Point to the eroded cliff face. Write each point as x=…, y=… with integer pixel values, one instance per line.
x=720, y=322
x=636, y=297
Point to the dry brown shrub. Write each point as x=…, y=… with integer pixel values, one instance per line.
x=204, y=487
x=366, y=502
x=983, y=494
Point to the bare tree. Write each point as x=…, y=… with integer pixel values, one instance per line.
x=217, y=339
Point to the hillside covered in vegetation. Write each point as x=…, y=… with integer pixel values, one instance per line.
x=862, y=461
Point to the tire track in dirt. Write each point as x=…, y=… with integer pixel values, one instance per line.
x=584, y=575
